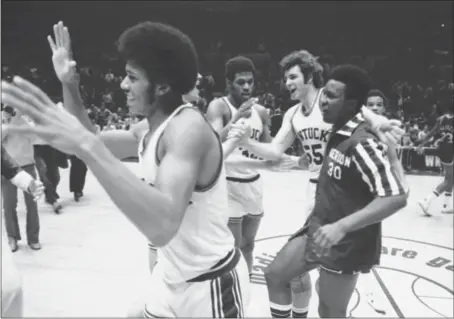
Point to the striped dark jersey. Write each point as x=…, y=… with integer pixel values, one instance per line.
x=445, y=128
x=355, y=171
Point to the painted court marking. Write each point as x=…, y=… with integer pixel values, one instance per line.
x=94, y=263
x=415, y=279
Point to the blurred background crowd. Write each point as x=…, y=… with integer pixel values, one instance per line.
x=407, y=48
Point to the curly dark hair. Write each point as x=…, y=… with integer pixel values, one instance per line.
x=357, y=81
x=238, y=64
x=167, y=55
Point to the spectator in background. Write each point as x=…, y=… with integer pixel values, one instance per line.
x=46, y=159
x=376, y=101
x=12, y=293
x=19, y=147
x=428, y=101
x=446, y=97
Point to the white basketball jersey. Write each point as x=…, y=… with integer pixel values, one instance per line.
x=203, y=238
x=256, y=124
x=313, y=133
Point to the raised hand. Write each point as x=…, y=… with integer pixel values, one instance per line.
x=64, y=65
x=245, y=110
x=52, y=122
x=388, y=131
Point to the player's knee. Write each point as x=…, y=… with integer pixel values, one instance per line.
x=234, y=225
x=273, y=276
x=302, y=284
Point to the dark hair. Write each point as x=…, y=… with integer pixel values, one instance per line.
x=377, y=92
x=308, y=64
x=357, y=82
x=236, y=65
x=167, y=55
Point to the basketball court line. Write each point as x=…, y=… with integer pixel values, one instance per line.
x=86, y=240
x=388, y=294
x=420, y=300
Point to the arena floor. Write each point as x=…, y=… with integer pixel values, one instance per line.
x=94, y=263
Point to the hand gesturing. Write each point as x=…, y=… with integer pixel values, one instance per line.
x=64, y=65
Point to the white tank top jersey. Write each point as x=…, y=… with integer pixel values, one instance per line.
x=313, y=133
x=203, y=238
x=255, y=121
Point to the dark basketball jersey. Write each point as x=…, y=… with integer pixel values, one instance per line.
x=355, y=171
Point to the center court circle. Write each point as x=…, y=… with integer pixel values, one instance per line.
x=414, y=278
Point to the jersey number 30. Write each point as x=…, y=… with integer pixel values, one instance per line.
x=314, y=153
x=334, y=171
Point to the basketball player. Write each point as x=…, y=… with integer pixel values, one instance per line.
x=245, y=187
x=356, y=190
x=303, y=79
x=444, y=129
x=182, y=207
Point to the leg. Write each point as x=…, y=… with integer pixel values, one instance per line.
x=302, y=285
x=447, y=205
x=32, y=211
x=235, y=226
x=73, y=175
x=426, y=202
x=335, y=291
x=53, y=173
x=10, y=209
x=288, y=264
x=249, y=230
x=301, y=295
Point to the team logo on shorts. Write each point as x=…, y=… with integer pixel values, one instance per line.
x=415, y=279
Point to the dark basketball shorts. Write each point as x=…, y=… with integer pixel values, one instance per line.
x=350, y=256
x=445, y=153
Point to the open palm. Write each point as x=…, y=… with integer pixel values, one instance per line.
x=52, y=123
x=64, y=65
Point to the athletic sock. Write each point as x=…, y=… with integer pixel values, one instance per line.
x=432, y=196
x=280, y=311
x=299, y=313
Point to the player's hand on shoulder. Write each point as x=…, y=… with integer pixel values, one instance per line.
x=64, y=65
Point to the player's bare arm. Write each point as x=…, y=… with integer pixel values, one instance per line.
x=390, y=194
x=216, y=115
x=265, y=117
x=431, y=134
x=121, y=143
x=277, y=147
x=156, y=211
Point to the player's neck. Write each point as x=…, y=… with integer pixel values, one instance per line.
x=342, y=120
x=236, y=104
x=309, y=98
x=156, y=115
